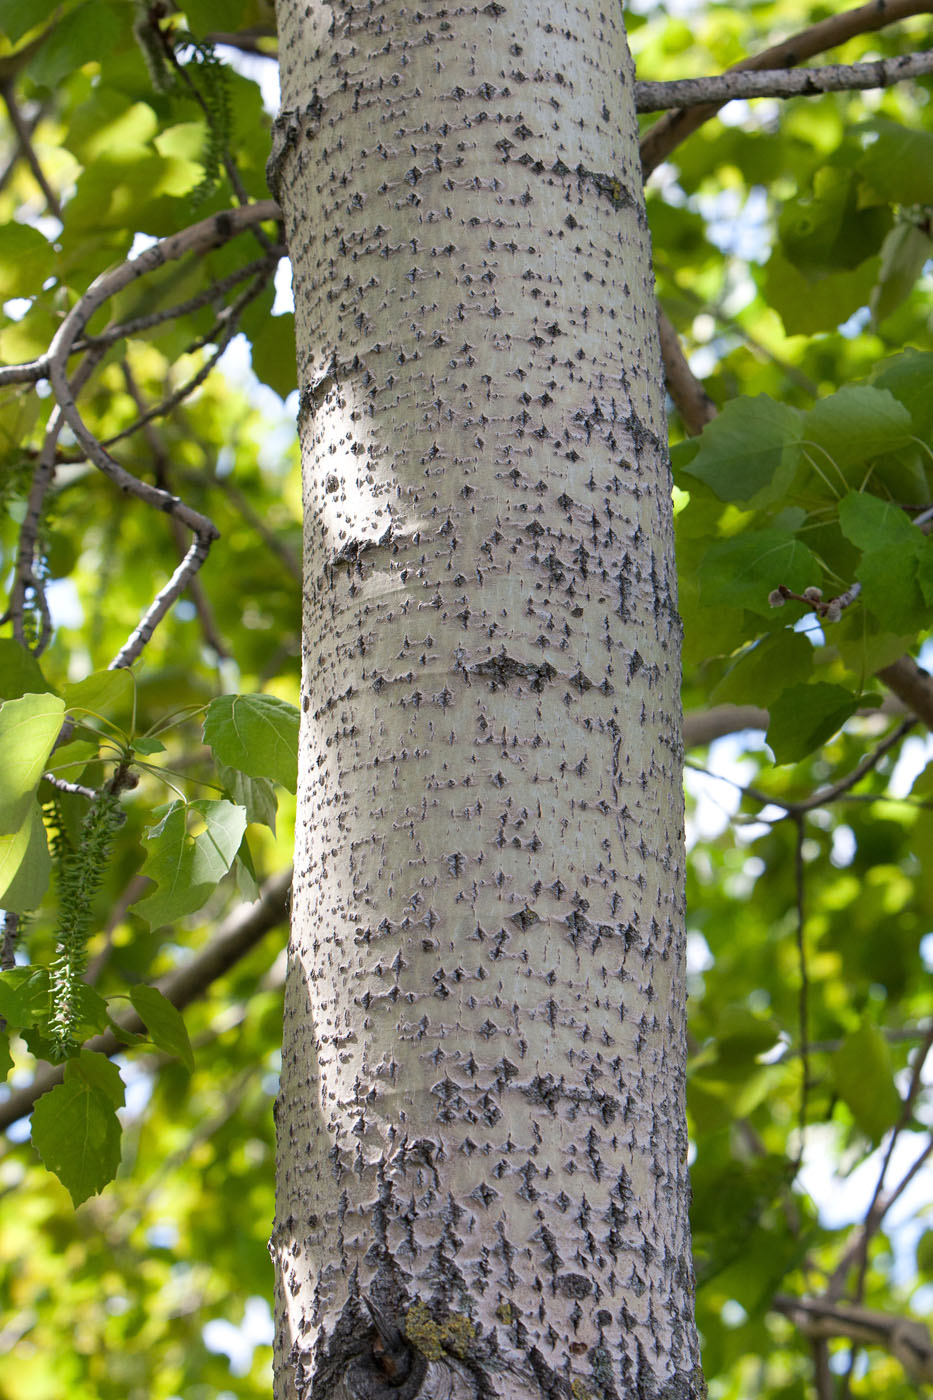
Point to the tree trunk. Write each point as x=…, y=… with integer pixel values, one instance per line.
x=481, y=1119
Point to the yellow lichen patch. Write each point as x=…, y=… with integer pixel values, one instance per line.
x=433, y=1338
x=578, y=1390
x=504, y=1313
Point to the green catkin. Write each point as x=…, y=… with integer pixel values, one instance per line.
x=79, y=876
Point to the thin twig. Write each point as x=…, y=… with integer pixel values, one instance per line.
x=803, y=1002
x=228, y=324
x=161, y=469
x=24, y=135
x=199, y=237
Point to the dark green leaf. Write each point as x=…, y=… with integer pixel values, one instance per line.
x=804, y=716
x=24, y=996
x=856, y=423
x=766, y=668
x=898, y=161
x=743, y=571
x=97, y=1072
x=750, y=451
x=19, y=671
x=76, y=1132
x=163, y=1022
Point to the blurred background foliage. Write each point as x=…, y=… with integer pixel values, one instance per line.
x=792, y=245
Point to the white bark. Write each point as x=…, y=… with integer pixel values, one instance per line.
x=481, y=1119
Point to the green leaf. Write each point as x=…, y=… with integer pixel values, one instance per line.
x=873, y=524
x=76, y=1132
x=76, y=39
x=25, y=864
x=17, y=17
x=766, y=668
x=750, y=451
x=273, y=353
x=810, y=304
x=864, y=1078
x=20, y=673
x=95, y=1070
x=148, y=746
x=904, y=254
x=29, y=727
x=897, y=161
x=832, y=228
x=804, y=716
x=257, y=795
x=258, y=734
x=105, y=693
x=908, y=376
x=26, y=260
x=164, y=1023
x=24, y=996
x=742, y=571
x=186, y=869
x=888, y=571
x=858, y=422
x=6, y=1059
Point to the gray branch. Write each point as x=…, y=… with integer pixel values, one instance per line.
x=781, y=82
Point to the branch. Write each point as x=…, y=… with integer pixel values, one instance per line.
x=238, y=933
x=906, y=1339
x=804, y=82
x=658, y=142
x=691, y=400
x=912, y=685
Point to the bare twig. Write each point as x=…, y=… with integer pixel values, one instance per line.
x=658, y=142
x=228, y=323
x=238, y=933
x=24, y=136
x=803, y=1000
x=199, y=237
x=160, y=460
x=803, y=82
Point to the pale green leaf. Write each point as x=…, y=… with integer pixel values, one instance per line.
x=25, y=863
x=29, y=727
x=863, y=1075
x=185, y=868
x=26, y=260
x=258, y=734
x=106, y=693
